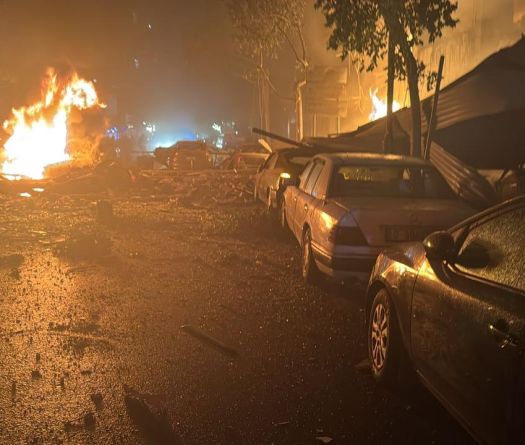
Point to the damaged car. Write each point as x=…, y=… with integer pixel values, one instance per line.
x=346, y=207
x=281, y=169
x=453, y=309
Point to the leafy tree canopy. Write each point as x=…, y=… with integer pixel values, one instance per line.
x=362, y=27
x=261, y=26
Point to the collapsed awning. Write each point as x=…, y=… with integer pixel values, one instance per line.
x=480, y=117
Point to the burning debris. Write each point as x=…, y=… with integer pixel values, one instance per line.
x=39, y=134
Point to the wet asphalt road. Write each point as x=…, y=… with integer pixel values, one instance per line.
x=191, y=320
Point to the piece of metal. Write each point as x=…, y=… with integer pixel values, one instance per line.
x=280, y=138
x=464, y=180
x=432, y=123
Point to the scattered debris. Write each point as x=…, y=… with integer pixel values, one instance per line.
x=97, y=400
x=324, y=439
x=85, y=246
x=104, y=211
x=363, y=366
x=89, y=421
x=211, y=341
x=152, y=420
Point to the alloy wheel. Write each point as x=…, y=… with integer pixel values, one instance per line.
x=379, y=337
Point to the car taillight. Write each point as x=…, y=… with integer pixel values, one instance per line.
x=347, y=236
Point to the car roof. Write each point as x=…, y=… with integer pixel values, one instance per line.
x=373, y=159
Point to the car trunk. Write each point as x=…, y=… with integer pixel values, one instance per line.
x=389, y=220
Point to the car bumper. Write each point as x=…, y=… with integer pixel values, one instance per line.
x=345, y=266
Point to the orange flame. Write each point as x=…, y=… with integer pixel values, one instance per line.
x=38, y=133
x=379, y=106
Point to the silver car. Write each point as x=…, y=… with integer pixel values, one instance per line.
x=347, y=207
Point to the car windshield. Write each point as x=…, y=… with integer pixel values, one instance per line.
x=389, y=181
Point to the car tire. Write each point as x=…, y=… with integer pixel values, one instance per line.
x=311, y=273
x=385, y=346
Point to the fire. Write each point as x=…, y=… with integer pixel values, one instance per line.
x=39, y=133
x=379, y=106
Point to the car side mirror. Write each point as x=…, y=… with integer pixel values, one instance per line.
x=440, y=246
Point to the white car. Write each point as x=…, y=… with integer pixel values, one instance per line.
x=346, y=207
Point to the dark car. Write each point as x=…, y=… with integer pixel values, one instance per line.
x=453, y=308
x=280, y=169
x=185, y=155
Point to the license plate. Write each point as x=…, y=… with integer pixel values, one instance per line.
x=404, y=234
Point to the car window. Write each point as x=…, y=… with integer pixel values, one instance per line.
x=389, y=181
x=304, y=175
x=314, y=176
x=494, y=250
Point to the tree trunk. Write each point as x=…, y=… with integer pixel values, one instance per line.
x=388, y=142
x=299, y=121
x=415, y=104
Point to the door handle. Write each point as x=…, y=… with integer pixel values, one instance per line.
x=499, y=331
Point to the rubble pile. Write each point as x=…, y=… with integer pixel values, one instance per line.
x=205, y=188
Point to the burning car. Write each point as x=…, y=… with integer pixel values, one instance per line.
x=347, y=207
x=453, y=309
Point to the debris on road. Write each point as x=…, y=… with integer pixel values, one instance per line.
x=97, y=400
x=85, y=246
x=209, y=340
x=363, y=366
x=104, y=211
x=152, y=421
x=324, y=439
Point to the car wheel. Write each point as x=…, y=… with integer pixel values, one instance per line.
x=311, y=273
x=385, y=347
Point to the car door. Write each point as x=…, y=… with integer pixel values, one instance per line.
x=468, y=324
x=263, y=176
x=305, y=201
x=292, y=192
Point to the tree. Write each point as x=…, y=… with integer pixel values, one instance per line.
x=261, y=27
x=364, y=27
